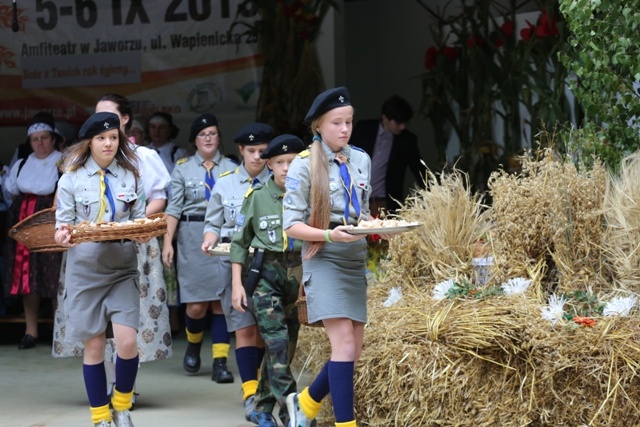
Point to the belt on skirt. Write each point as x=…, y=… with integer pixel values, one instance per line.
x=295, y=256
x=192, y=218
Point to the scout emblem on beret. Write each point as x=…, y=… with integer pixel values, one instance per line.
x=106, y=125
x=341, y=98
x=285, y=148
x=204, y=120
x=251, y=137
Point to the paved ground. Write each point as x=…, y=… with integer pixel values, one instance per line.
x=37, y=390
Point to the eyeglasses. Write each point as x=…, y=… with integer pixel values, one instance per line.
x=206, y=135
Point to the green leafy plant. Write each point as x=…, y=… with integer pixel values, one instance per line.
x=603, y=56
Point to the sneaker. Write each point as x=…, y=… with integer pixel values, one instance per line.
x=249, y=407
x=296, y=415
x=122, y=419
x=103, y=423
x=263, y=419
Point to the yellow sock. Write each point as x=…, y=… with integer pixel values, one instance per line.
x=310, y=407
x=347, y=424
x=194, y=338
x=249, y=388
x=220, y=350
x=121, y=401
x=101, y=413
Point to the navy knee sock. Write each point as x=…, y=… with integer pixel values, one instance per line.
x=219, y=334
x=320, y=386
x=246, y=359
x=95, y=381
x=126, y=372
x=195, y=326
x=341, y=385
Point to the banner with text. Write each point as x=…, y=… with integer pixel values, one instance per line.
x=178, y=56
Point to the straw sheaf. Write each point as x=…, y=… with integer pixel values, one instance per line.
x=551, y=212
x=443, y=247
x=622, y=235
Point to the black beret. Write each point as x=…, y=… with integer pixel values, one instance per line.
x=98, y=123
x=254, y=134
x=283, y=144
x=328, y=100
x=204, y=121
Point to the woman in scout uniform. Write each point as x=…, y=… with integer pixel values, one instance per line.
x=154, y=336
x=260, y=226
x=222, y=213
x=333, y=178
x=192, y=180
x=101, y=184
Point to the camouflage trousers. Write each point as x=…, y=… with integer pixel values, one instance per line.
x=274, y=304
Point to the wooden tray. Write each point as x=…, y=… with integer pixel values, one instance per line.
x=37, y=232
x=155, y=225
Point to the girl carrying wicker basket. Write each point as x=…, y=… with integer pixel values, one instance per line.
x=101, y=184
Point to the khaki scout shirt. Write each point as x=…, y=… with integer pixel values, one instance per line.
x=79, y=195
x=227, y=198
x=297, y=199
x=260, y=224
x=187, y=184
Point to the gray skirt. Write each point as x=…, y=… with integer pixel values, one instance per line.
x=101, y=285
x=200, y=277
x=235, y=319
x=335, y=282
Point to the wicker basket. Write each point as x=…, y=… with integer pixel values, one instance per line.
x=137, y=229
x=303, y=316
x=37, y=232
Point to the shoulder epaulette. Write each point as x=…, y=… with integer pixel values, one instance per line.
x=182, y=160
x=357, y=148
x=304, y=153
x=225, y=174
x=249, y=191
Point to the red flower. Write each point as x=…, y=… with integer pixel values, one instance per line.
x=546, y=28
x=451, y=53
x=507, y=29
x=430, y=58
x=527, y=33
x=475, y=41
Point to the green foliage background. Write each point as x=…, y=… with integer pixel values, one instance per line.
x=603, y=55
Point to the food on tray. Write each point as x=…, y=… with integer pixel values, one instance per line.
x=89, y=226
x=223, y=248
x=385, y=223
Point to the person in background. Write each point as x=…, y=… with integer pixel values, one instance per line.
x=192, y=182
x=222, y=213
x=23, y=150
x=30, y=186
x=101, y=184
x=162, y=133
x=393, y=149
x=274, y=299
x=137, y=132
x=327, y=191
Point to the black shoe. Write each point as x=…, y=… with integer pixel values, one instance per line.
x=191, y=361
x=28, y=341
x=221, y=374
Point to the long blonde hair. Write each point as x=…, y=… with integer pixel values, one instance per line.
x=76, y=155
x=320, y=200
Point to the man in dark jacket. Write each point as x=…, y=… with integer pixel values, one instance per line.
x=392, y=149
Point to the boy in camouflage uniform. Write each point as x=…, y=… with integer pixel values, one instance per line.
x=260, y=226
